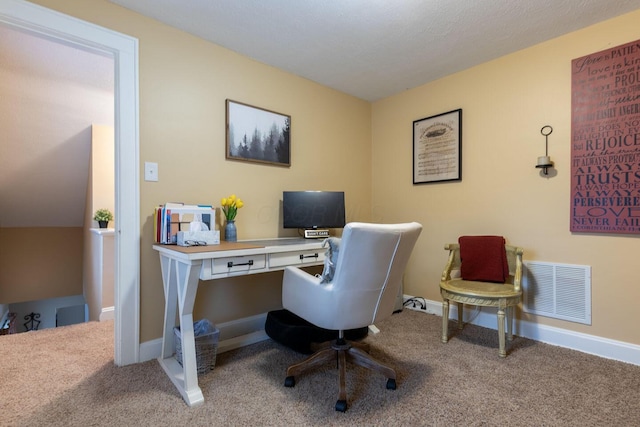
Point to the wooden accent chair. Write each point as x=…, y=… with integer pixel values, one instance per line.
x=368, y=273
x=504, y=294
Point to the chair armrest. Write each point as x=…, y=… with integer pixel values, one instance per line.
x=298, y=275
x=304, y=295
x=517, y=276
x=452, y=248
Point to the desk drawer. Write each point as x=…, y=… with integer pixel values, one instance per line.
x=297, y=258
x=238, y=264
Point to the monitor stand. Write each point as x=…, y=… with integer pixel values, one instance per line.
x=316, y=234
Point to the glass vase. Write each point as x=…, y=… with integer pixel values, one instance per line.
x=230, y=231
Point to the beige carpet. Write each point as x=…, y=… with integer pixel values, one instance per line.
x=66, y=377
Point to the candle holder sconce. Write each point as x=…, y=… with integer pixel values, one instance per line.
x=544, y=162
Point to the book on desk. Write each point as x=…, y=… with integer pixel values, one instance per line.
x=171, y=218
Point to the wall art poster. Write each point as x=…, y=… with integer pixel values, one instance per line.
x=437, y=148
x=605, y=141
x=257, y=135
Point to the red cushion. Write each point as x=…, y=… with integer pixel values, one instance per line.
x=483, y=258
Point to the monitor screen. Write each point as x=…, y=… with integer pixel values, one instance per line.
x=313, y=209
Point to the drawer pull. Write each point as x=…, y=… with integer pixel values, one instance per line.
x=230, y=264
x=308, y=256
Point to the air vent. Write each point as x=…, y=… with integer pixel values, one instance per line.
x=560, y=291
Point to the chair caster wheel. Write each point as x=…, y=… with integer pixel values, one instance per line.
x=289, y=381
x=391, y=384
x=341, y=405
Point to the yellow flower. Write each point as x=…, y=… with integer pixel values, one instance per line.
x=230, y=206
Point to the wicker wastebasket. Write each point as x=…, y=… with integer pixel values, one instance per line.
x=206, y=349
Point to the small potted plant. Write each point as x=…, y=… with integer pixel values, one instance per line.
x=103, y=216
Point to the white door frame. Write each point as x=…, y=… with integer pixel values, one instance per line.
x=124, y=50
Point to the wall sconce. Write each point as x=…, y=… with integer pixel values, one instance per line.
x=545, y=162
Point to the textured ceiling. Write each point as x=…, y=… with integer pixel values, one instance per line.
x=376, y=48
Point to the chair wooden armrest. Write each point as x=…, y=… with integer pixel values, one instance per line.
x=451, y=247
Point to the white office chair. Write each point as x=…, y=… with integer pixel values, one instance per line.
x=368, y=273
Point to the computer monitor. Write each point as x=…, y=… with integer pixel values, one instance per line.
x=313, y=209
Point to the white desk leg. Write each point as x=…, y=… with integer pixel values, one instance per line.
x=170, y=306
x=180, y=280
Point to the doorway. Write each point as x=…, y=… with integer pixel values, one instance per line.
x=124, y=50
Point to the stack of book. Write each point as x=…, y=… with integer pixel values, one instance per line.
x=170, y=218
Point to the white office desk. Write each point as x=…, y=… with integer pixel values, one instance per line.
x=183, y=267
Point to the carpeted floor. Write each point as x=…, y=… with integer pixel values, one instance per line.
x=66, y=377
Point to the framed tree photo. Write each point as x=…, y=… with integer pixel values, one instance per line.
x=437, y=148
x=257, y=135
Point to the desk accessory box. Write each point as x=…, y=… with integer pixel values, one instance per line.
x=186, y=238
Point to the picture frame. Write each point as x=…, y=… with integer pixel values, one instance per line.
x=437, y=148
x=257, y=135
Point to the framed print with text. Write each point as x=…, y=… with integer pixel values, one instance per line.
x=257, y=135
x=605, y=141
x=437, y=148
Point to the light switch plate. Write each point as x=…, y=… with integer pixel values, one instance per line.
x=150, y=171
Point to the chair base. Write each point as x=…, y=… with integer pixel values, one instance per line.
x=341, y=350
x=504, y=313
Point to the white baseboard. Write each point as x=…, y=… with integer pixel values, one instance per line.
x=250, y=330
x=107, y=313
x=150, y=350
x=591, y=344
x=233, y=334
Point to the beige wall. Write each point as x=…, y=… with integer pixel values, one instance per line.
x=339, y=142
x=101, y=188
x=40, y=263
x=505, y=103
x=99, y=252
x=184, y=82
